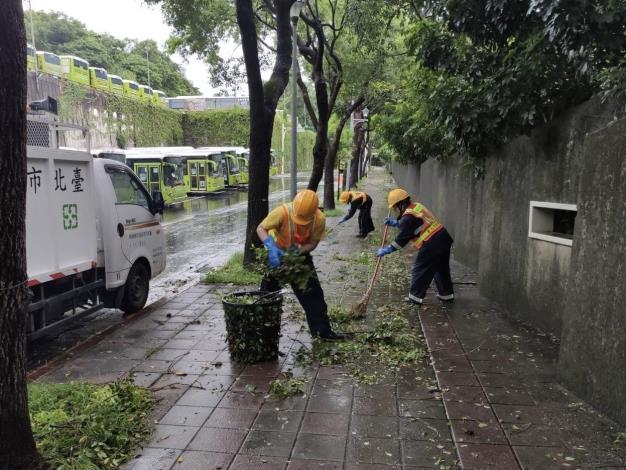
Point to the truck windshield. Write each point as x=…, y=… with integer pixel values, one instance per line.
x=173, y=171
x=127, y=189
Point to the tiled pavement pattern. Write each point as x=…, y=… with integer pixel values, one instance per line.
x=500, y=405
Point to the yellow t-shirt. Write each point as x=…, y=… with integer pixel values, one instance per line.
x=274, y=220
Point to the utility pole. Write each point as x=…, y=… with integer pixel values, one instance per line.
x=32, y=37
x=294, y=13
x=148, y=61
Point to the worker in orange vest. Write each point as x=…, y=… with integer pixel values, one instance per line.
x=417, y=224
x=299, y=225
x=362, y=202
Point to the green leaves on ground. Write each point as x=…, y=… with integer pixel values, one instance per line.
x=89, y=427
x=233, y=272
x=375, y=350
x=288, y=386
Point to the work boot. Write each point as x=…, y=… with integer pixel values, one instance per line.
x=446, y=298
x=332, y=336
x=413, y=300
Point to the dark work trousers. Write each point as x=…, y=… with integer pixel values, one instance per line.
x=311, y=299
x=366, y=224
x=433, y=261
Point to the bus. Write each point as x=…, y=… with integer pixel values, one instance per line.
x=49, y=63
x=159, y=98
x=131, y=89
x=75, y=69
x=159, y=172
x=145, y=93
x=116, y=154
x=116, y=84
x=202, y=174
x=226, y=157
x=31, y=58
x=99, y=79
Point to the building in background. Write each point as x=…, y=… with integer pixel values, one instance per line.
x=201, y=103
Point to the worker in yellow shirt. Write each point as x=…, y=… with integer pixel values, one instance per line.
x=362, y=202
x=299, y=225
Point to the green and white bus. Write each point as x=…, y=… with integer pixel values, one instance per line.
x=159, y=172
x=99, y=79
x=49, y=63
x=227, y=158
x=158, y=98
x=75, y=69
x=116, y=84
x=202, y=174
x=145, y=93
x=131, y=89
x=119, y=155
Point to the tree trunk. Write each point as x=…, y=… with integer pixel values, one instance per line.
x=357, y=145
x=331, y=157
x=17, y=446
x=263, y=102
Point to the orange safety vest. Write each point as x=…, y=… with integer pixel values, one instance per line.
x=290, y=234
x=358, y=194
x=429, y=228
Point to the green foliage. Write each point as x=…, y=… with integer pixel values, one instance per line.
x=220, y=127
x=233, y=272
x=485, y=72
x=89, y=427
x=61, y=34
x=288, y=386
x=292, y=270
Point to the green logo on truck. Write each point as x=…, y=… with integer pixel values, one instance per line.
x=70, y=216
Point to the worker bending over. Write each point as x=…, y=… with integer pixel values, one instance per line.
x=361, y=201
x=298, y=225
x=429, y=236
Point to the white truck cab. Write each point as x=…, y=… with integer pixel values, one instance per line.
x=93, y=235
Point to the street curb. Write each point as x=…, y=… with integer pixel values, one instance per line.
x=97, y=337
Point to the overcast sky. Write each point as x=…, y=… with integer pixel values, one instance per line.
x=129, y=19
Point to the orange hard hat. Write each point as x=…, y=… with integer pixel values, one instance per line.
x=345, y=197
x=305, y=206
x=396, y=195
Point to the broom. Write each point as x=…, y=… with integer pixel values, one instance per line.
x=358, y=310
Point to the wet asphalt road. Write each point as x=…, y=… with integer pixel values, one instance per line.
x=201, y=233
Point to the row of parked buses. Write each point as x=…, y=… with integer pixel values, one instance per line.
x=78, y=70
x=181, y=172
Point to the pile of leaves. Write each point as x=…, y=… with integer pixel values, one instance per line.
x=252, y=328
x=288, y=386
x=375, y=350
x=85, y=427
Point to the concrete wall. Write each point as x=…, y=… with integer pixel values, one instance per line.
x=576, y=293
x=593, y=345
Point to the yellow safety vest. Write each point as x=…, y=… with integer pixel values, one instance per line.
x=358, y=194
x=288, y=235
x=429, y=228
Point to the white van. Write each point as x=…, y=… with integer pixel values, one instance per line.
x=93, y=236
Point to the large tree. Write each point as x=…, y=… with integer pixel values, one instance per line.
x=199, y=26
x=17, y=446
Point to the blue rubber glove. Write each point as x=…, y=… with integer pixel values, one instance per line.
x=391, y=222
x=341, y=221
x=273, y=252
x=385, y=251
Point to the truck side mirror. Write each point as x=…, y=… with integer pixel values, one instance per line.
x=157, y=202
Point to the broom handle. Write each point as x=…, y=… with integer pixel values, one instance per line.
x=380, y=258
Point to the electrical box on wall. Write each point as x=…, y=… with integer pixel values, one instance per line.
x=552, y=222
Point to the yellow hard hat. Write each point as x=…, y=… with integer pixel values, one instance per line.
x=345, y=197
x=304, y=207
x=395, y=196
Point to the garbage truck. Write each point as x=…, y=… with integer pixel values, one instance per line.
x=93, y=232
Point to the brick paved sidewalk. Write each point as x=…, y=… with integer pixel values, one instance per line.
x=500, y=409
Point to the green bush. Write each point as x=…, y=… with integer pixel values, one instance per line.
x=89, y=427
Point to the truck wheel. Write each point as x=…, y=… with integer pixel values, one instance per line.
x=136, y=288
